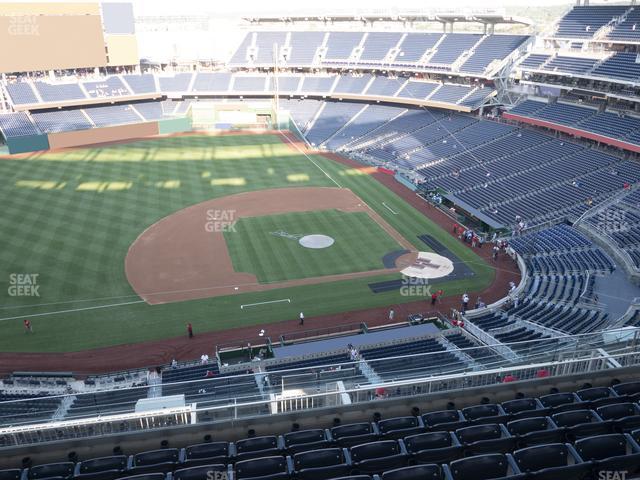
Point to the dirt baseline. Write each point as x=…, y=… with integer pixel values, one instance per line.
x=184, y=256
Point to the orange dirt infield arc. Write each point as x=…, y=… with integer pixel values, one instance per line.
x=179, y=258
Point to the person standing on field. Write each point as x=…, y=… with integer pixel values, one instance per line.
x=189, y=330
x=391, y=315
x=28, y=328
x=301, y=318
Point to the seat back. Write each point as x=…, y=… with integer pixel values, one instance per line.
x=118, y=462
x=204, y=472
x=574, y=417
x=417, y=472
x=527, y=425
x=207, y=450
x=602, y=446
x=476, y=433
x=595, y=393
x=428, y=441
x=519, y=405
x=541, y=456
x=617, y=410
x=480, y=467
x=351, y=430
x=318, y=458
x=261, y=467
x=443, y=416
x=374, y=450
x=397, y=423
x=63, y=469
x=554, y=400
x=629, y=388
x=12, y=474
x=481, y=411
x=256, y=444
x=304, y=436
x=166, y=455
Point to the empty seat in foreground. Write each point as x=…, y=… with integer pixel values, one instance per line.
x=490, y=438
x=103, y=468
x=552, y=461
x=320, y=464
x=433, y=447
x=273, y=468
x=51, y=470
x=354, y=434
x=205, y=454
x=305, y=440
x=484, y=467
x=376, y=457
x=161, y=461
x=535, y=431
x=257, y=447
x=614, y=452
x=444, y=420
x=201, y=472
x=417, y=472
x=400, y=427
x=581, y=424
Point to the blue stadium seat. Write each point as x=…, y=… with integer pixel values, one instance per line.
x=153, y=461
x=266, y=446
x=102, y=468
x=320, y=464
x=484, y=467
x=304, y=440
x=375, y=457
x=205, y=454
x=202, y=472
x=552, y=461
x=354, y=434
x=615, y=452
x=535, y=431
x=416, y=472
x=581, y=424
x=265, y=468
x=444, y=420
x=489, y=438
x=490, y=413
x=433, y=447
x=400, y=427
x=51, y=470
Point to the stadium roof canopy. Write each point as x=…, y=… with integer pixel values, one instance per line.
x=486, y=17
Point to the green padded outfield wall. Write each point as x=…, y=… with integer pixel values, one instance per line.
x=28, y=143
x=174, y=125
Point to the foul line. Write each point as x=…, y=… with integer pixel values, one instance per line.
x=310, y=159
x=288, y=300
x=70, y=311
x=389, y=208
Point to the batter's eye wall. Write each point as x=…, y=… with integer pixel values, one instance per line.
x=48, y=42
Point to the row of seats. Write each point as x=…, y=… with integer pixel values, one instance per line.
x=593, y=427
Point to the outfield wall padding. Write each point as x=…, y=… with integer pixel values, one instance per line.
x=406, y=182
x=102, y=135
x=27, y=143
x=174, y=125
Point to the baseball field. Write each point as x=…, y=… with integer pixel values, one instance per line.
x=127, y=243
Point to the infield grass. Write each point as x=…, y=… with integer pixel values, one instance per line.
x=257, y=247
x=70, y=217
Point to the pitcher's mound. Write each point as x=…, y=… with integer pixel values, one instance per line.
x=316, y=241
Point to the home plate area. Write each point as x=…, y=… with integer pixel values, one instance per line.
x=429, y=265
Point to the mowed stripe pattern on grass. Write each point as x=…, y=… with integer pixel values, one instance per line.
x=360, y=244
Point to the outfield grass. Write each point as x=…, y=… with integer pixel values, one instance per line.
x=360, y=243
x=70, y=217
